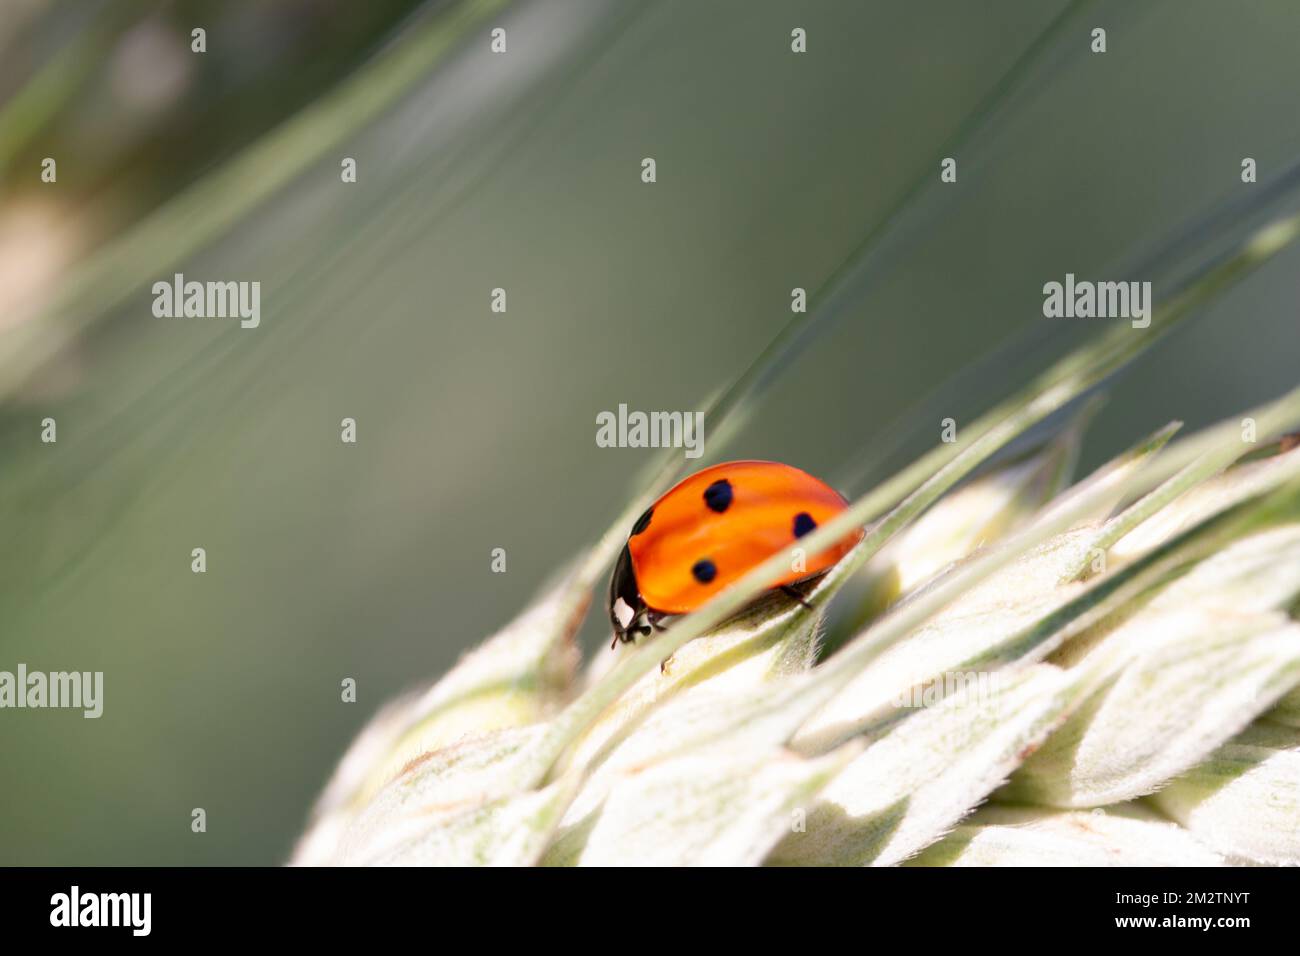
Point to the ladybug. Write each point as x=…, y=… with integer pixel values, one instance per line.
x=711, y=529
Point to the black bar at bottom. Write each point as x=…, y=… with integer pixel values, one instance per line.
x=548, y=907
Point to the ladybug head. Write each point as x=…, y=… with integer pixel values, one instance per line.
x=627, y=611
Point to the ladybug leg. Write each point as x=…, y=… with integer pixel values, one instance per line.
x=791, y=592
x=629, y=636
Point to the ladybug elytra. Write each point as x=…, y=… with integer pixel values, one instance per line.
x=709, y=530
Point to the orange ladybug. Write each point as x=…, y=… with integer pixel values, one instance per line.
x=712, y=528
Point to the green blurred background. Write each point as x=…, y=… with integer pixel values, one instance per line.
x=476, y=430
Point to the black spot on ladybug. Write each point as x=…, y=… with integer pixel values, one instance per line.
x=718, y=495
x=642, y=522
x=803, y=523
x=704, y=570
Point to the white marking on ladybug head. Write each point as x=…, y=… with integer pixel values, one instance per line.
x=623, y=613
